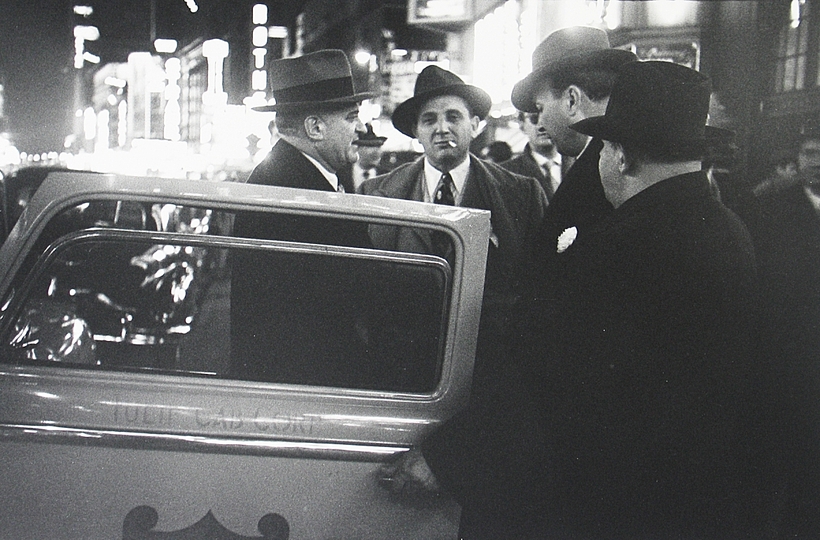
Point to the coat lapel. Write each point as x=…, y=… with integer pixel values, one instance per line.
x=408, y=184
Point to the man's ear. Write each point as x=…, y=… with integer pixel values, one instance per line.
x=626, y=164
x=475, y=123
x=573, y=96
x=314, y=127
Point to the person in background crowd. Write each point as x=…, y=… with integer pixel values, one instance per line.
x=787, y=242
x=573, y=71
x=317, y=116
x=789, y=245
x=497, y=152
x=444, y=115
x=540, y=158
x=370, y=155
x=630, y=409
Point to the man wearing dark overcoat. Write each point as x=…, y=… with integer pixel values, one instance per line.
x=573, y=70
x=444, y=115
x=630, y=410
x=282, y=328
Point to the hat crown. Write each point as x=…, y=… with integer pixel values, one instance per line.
x=319, y=78
x=567, y=51
x=432, y=78
x=568, y=43
x=662, y=101
x=322, y=65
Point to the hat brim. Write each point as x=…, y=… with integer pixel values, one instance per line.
x=601, y=127
x=356, y=98
x=405, y=115
x=523, y=93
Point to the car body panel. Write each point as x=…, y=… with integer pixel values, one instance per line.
x=82, y=447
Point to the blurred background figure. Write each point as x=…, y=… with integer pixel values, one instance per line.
x=540, y=158
x=787, y=247
x=783, y=175
x=497, y=152
x=370, y=156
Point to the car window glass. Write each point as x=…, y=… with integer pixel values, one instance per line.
x=120, y=289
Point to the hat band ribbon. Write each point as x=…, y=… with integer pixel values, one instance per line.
x=323, y=90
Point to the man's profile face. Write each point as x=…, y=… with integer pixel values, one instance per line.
x=445, y=129
x=341, y=130
x=808, y=163
x=554, y=119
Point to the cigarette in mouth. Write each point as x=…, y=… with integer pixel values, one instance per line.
x=451, y=144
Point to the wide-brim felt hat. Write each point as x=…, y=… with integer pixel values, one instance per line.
x=576, y=48
x=657, y=105
x=434, y=81
x=369, y=138
x=314, y=79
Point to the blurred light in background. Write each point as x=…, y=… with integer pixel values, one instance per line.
x=83, y=11
x=362, y=57
x=83, y=33
x=500, y=60
x=671, y=12
x=89, y=123
x=259, y=40
x=260, y=14
x=278, y=32
x=794, y=12
x=165, y=46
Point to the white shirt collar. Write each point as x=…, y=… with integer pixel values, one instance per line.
x=589, y=140
x=331, y=177
x=541, y=159
x=432, y=176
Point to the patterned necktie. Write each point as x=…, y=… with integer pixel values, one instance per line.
x=444, y=193
x=442, y=245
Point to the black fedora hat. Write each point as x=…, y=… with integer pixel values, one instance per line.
x=369, y=138
x=434, y=81
x=574, y=48
x=318, y=78
x=659, y=105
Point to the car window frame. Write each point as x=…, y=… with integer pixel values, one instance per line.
x=65, y=405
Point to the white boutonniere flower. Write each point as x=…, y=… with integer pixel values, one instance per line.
x=566, y=239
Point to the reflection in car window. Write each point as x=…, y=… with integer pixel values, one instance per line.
x=210, y=305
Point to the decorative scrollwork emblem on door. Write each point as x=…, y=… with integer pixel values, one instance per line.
x=141, y=520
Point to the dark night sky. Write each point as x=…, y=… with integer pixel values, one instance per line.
x=37, y=49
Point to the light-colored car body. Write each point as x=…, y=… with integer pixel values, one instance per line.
x=83, y=445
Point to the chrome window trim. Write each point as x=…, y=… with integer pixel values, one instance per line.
x=16, y=300
x=338, y=451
